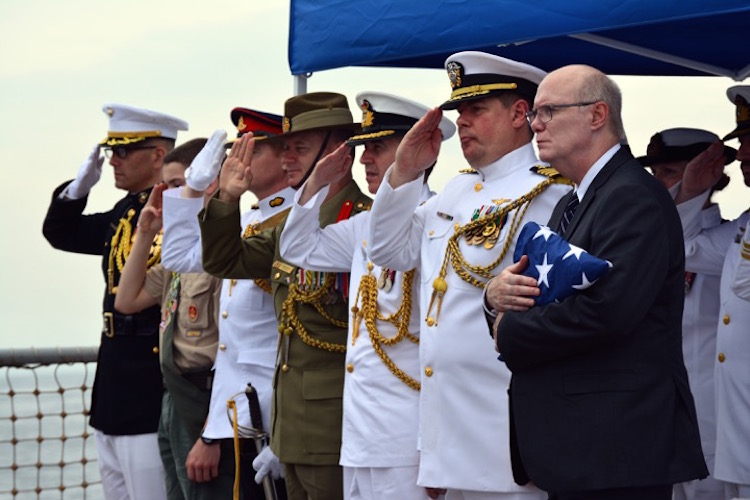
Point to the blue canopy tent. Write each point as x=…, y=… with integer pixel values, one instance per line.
x=620, y=37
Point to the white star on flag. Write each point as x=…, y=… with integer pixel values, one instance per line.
x=545, y=232
x=558, y=276
x=543, y=271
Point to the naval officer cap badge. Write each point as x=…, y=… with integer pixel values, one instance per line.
x=475, y=75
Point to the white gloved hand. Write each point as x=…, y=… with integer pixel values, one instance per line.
x=267, y=463
x=206, y=165
x=88, y=174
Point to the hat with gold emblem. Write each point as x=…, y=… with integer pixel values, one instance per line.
x=128, y=124
x=385, y=115
x=474, y=75
x=681, y=144
x=260, y=123
x=316, y=111
x=740, y=96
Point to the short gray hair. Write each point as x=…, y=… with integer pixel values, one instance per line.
x=600, y=87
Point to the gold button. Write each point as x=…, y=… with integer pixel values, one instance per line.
x=478, y=186
x=432, y=232
x=726, y=319
x=721, y=357
x=155, y=350
x=428, y=371
x=430, y=321
x=224, y=314
x=349, y=367
x=284, y=368
x=277, y=276
x=223, y=347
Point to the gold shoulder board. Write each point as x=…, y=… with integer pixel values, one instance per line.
x=545, y=171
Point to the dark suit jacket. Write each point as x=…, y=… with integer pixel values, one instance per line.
x=127, y=392
x=599, y=393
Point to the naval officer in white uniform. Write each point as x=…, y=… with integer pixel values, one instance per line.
x=381, y=389
x=717, y=251
x=463, y=236
x=667, y=155
x=248, y=333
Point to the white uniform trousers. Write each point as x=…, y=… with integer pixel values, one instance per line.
x=734, y=491
x=382, y=483
x=493, y=495
x=130, y=467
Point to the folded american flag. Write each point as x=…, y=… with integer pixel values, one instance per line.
x=559, y=268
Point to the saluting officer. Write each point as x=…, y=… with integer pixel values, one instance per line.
x=248, y=331
x=127, y=392
x=463, y=237
x=311, y=307
x=716, y=251
x=667, y=154
x=381, y=389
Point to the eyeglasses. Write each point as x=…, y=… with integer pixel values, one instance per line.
x=544, y=113
x=122, y=152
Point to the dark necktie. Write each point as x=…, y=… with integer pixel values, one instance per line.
x=567, y=215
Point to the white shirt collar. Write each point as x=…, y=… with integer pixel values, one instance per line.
x=594, y=171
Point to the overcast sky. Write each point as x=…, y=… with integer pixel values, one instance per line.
x=60, y=62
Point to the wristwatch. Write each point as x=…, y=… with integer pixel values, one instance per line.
x=209, y=441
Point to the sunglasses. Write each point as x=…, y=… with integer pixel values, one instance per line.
x=122, y=152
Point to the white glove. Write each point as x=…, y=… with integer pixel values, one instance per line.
x=88, y=174
x=206, y=165
x=267, y=463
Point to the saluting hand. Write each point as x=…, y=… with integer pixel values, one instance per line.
x=702, y=172
x=418, y=149
x=236, y=177
x=149, y=221
x=207, y=163
x=328, y=170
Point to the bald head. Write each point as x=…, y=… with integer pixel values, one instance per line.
x=582, y=108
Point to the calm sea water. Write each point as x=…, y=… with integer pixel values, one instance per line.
x=38, y=421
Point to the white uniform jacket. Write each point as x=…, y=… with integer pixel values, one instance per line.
x=464, y=401
x=699, y=342
x=741, y=284
x=716, y=251
x=248, y=331
x=380, y=424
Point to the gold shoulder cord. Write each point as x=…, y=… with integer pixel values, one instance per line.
x=120, y=246
x=459, y=262
x=290, y=320
x=368, y=291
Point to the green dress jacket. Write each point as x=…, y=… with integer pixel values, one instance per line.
x=309, y=376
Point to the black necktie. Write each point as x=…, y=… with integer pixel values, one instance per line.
x=567, y=215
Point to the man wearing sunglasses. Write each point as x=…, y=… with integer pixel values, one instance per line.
x=127, y=392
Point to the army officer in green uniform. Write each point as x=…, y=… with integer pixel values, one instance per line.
x=311, y=307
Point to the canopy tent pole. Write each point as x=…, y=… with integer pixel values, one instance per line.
x=300, y=83
x=659, y=56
